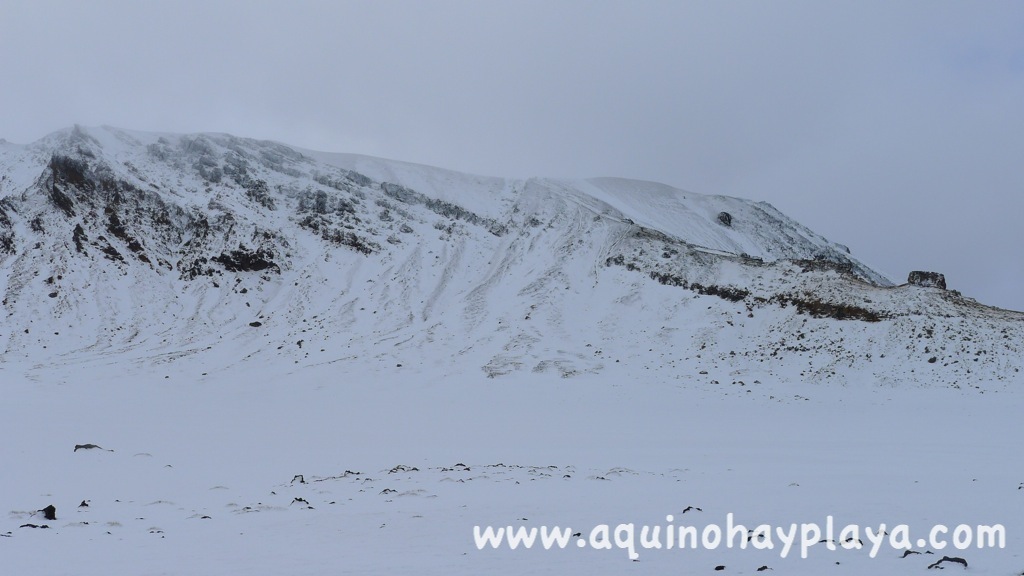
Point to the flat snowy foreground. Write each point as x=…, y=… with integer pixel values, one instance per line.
x=198, y=474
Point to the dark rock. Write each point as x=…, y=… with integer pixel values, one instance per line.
x=820, y=309
x=67, y=171
x=115, y=226
x=446, y=209
x=825, y=261
x=725, y=218
x=403, y=468
x=331, y=233
x=256, y=324
x=6, y=232
x=927, y=279
x=247, y=260
x=909, y=552
x=724, y=292
x=50, y=512
x=109, y=251
x=80, y=238
x=259, y=192
x=952, y=559
x=619, y=260
x=195, y=268
x=86, y=447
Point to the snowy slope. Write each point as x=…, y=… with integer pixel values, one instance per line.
x=202, y=236
x=224, y=314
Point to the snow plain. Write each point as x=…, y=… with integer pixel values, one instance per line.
x=200, y=479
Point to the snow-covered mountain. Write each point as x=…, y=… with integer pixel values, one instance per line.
x=228, y=356
x=148, y=247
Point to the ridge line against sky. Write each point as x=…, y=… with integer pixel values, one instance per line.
x=894, y=128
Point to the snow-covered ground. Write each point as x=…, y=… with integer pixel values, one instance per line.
x=304, y=363
x=201, y=476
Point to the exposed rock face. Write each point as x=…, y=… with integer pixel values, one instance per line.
x=929, y=279
x=725, y=218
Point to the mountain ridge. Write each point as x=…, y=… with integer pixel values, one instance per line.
x=235, y=249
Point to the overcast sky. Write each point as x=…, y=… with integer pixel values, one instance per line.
x=896, y=128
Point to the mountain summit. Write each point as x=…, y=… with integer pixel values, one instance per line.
x=152, y=248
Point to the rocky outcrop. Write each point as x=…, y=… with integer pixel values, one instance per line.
x=442, y=208
x=927, y=279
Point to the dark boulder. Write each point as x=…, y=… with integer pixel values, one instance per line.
x=928, y=279
x=725, y=218
x=245, y=260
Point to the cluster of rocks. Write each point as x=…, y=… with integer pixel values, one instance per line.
x=927, y=279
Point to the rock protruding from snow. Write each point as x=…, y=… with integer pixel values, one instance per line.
x=927, y=279
x=50, y=512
